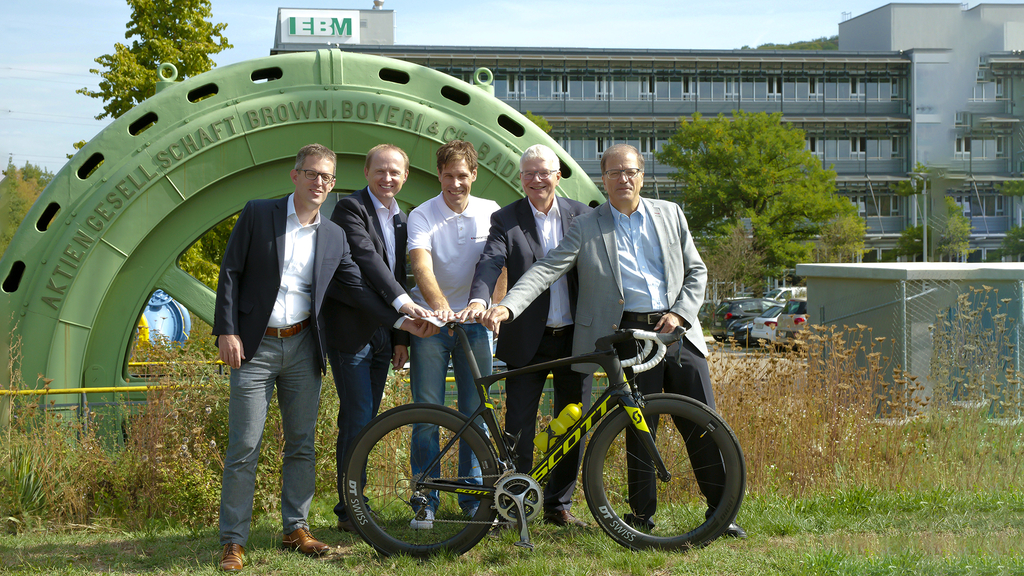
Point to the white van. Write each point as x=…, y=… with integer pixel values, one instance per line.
x=786, y=293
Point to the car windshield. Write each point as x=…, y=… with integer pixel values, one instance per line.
x=774, y=293
x=772, y=312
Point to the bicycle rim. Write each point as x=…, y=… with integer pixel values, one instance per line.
x=678, y=517
x=381, y=507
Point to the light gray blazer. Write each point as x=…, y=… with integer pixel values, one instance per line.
x=589, y=245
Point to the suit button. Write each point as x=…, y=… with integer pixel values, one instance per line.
x=622, y=301
x=615, y=327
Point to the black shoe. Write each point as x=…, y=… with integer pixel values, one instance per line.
x=563, y=518
x=734, y=531
x=639, y=523
x=346, y=525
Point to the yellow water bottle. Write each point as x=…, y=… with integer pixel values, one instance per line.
x=548, y=438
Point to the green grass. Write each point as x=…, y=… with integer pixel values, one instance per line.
x=856, y=532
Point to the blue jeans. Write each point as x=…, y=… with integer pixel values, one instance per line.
x=429, y=359
x=290, y=365
x=359, y=379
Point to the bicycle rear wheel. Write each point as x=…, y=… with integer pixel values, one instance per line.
x=639, y=511
x=381, y=507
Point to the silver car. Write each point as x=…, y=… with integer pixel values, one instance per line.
x=764, y=325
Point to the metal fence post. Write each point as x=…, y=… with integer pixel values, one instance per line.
x=903, y=326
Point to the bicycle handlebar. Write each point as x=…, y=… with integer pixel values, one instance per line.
x=662, y=341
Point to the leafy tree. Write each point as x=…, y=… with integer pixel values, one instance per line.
x=1013, y=243
x=842, y=239
x=909, y=242
x=955, y=239
x=754, y=168
x=174, y=31
x=732, y=259
x=203, y=257
x=540, y=121
x=18, y=191
x=823, y=43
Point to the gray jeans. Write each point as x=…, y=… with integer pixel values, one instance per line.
x=289, y=364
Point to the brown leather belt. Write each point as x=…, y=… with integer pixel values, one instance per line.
x=288, y=331
x=649, y=318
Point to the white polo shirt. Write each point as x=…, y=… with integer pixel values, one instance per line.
x=455, y=242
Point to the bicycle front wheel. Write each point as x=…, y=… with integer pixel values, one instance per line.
x=383, y=505
x=695, y=506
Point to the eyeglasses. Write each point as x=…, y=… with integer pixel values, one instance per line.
x=546, y=174
x=313, y=175
x=630, y=173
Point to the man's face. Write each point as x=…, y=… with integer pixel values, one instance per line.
x=540, y=191
x=623, y=192
x=310, y=194
x=386, y=174
x=456, y=180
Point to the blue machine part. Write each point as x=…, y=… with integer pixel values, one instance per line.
x=167, y=318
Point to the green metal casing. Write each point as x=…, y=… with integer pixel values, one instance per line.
x=144, y=189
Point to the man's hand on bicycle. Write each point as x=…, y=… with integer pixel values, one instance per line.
x=493, y=317
x=668, y=323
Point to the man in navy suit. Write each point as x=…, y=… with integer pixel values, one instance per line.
x=277, y=269
x=376, y=230
x=522, y=233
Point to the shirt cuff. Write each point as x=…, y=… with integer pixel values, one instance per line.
x=480, y=301
x=401, y=319
x=402, y=300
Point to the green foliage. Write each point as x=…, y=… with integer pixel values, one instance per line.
x=173, y=31
x=540, y=121
x=1013, y=243
x=823, y=43
x=955, y=241
x=842, y=239
x=732, y=259
x=916, y=185
x=18, y=191
x=203, y=257
x=753, y=167
x=1011, y=188
x=909, y=242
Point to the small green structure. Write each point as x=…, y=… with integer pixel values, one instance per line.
x=110, y=228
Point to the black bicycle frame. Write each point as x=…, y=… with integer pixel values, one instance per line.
x=606, y=357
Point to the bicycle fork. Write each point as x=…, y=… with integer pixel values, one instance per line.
x=639, y=424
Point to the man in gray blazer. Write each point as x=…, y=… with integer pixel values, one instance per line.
x=642, y=270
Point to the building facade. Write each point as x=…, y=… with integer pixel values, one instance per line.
x=912, y=84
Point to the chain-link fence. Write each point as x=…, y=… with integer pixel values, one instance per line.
x=959, y=339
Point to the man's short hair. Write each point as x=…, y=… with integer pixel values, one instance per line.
x=453, y=152
x=539, y=151
x=381, y=148
x=318, y=151
x=622, y=149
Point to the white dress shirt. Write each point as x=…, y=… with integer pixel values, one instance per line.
x=549, y=227
x=386, y=219
x=294, y=296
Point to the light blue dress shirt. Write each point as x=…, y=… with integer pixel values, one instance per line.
x=640, y=261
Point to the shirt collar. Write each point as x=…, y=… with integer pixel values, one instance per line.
x=639, y=209
x=295, y=217
x=378, y=205
x=552, y=212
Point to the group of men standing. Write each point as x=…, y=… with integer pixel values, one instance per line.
x=295, y=288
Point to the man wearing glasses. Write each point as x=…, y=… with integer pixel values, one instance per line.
x=522, y=233
x=279, y=264
x=638, y=262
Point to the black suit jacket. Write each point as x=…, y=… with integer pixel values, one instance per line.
x=514, y=242
x=250, y=275
x=349, y=328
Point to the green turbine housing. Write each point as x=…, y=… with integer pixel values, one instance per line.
x=110, y=228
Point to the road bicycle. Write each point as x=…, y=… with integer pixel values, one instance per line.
x=642, y=447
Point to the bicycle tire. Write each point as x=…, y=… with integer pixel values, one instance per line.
x=382, y=515
x=681, y=521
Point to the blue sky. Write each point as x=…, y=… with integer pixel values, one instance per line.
x=47, y=49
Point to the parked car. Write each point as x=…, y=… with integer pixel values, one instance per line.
x=792, y=320
x=763, y=327
x=735, y=309
x=786, y=293
x=704, y=314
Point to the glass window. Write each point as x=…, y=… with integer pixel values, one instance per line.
x=661, y=90
x=589, y=88
x=531, y=87
x=500, y=87
x=546, y=87
x=575, y=87
x=618, y=91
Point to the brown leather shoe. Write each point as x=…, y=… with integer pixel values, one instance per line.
x=231, y=558
x=563, y=518
x=303, y=541
x=346, y=525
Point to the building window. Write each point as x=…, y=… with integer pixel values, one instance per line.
x=812, y=86
x=961, y=118
x=855, y=88
x=816, y=146
x=600, y=146
x=894, y=87
x=858, y=146
x=963, y=148
x=999, y=87
x=604, y=88
x=1000, y=146
x=647, y=85
x=732, y=89
x=896, y=152
x=774, y=87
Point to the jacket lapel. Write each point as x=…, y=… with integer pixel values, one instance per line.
x=606, y=221
x=280, y=228
x=528, y=224
x=371, y=212
x=665, y=236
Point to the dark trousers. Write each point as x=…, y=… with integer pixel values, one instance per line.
x=360, y=379
x=522, y=399
x=687, y=376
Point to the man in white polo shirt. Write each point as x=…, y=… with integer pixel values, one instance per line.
x=447, y=234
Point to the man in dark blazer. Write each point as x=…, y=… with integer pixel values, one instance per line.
x=277, y=270
x=641, y=269
x=522, y=233
x=375, y=227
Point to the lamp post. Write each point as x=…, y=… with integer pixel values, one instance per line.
x=924, y=213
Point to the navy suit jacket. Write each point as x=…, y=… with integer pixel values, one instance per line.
x=514, y=242
x=349, y=328
x=250, y=275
